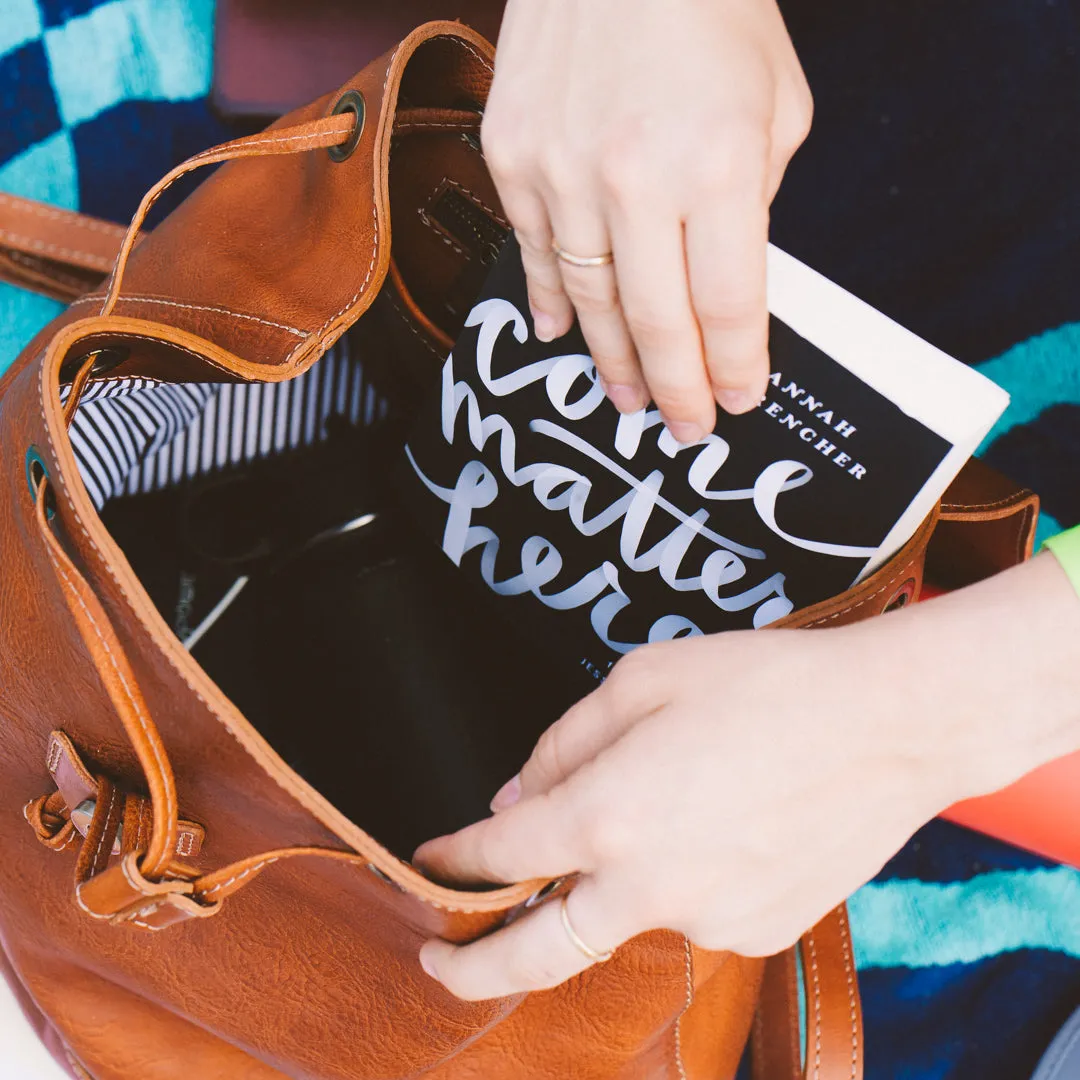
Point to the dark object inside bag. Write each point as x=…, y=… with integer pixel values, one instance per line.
x=385, y=678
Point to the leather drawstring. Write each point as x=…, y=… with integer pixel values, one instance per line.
x=315, y=134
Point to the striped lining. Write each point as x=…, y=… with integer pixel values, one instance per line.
x=133, y=436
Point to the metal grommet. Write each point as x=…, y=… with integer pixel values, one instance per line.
x=544, y=892
x=36, y=471
x=902, y=597
x=105, y=360
x=351, y=101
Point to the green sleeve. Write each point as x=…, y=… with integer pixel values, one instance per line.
x=1066, y=549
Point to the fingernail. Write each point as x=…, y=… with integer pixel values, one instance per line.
x=544, y=326
x=736, y=401
x=427, y=965
x=685, y=432
x=507, y=795
x=627, y=399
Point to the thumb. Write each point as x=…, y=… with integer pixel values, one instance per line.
x=583, y=732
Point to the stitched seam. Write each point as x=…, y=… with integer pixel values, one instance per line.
x=980, y=506
x=55, y=751
x=155, y=749
x=423, y=125
x=851, y=995
x=360, y=292
x=853, y=607
x=99, y=262
x=196, y=307
x=185, y=843
x=67, y=216
x=479, y=55
x=206, y=157
x=403, y=315
x=817, y=1004
x=44, y=269
x=239, y=877
x=440, y=232
x=472, y=196
x=686, y=1006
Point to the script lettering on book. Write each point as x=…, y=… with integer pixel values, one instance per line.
x=559, y=488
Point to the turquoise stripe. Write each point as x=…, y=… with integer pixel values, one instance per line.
x=1037, y=373
x=922, y=924
x=148, y=50
x=46, y=172
x=22, y=314
x=20, y=22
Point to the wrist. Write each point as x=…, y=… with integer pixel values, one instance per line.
x=998, y=666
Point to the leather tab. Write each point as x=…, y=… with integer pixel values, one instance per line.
x=834, y=1042
x=78, y=787
x=122, y=895
x=987, y=525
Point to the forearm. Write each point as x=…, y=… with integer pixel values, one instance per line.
x=996, y=668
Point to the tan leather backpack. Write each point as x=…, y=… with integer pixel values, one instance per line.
x=178, y=902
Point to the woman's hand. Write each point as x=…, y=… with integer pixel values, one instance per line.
x=737, y=787
x=657, y=131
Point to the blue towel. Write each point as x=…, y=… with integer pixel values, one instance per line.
x=940, y=184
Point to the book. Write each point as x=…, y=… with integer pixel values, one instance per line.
x=602, y=532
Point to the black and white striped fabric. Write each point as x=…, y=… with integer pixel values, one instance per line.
x=132, y=436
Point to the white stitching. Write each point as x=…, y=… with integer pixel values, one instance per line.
x=97, y=262
x=239, y=877
x=154, y=747
x=686, y=1008
x=55, y=752
x=411, y=325
x=185, y=844
x=851, y=995
x=479, y=55
x=473, y=197
x=195, y=307
x=69, y=217
x=853, y=607
x=440, y=232
x=817, y=1005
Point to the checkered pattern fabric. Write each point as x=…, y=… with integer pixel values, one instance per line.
x=97, y=100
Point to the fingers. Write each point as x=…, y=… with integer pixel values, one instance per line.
x=585, y=730
x=655, y=295
x=726, y=255
x=541, y=837
x=534, y=952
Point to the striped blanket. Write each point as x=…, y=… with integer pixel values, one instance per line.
x=941, y=185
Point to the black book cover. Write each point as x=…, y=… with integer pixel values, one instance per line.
x=602, y=532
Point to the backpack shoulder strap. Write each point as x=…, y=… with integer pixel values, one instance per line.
x=60, y=253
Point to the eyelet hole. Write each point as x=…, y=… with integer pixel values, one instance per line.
x=543, y=893
x=105, y=361
x=351, y=101
x=35, y=473
x=902, y=597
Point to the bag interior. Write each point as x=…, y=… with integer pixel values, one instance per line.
x=263, y=522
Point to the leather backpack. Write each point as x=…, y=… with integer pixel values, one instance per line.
x=179, y=900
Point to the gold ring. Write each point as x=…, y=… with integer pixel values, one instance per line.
x=581, y=260
x=571, y=933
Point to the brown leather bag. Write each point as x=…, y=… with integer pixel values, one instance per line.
x=178, y=901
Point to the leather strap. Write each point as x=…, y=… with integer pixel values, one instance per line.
x=834, y=1041
x=60, y=253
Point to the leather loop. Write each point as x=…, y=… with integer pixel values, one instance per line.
x=834, y=1040
x=315, y=134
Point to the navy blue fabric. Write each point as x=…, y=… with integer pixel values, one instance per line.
x=27, y=104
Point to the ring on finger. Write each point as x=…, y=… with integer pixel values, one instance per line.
x=581, y=260
x=572, y=934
